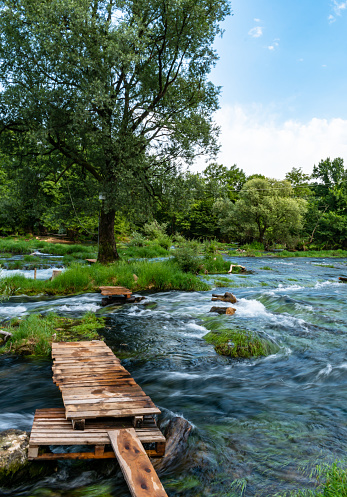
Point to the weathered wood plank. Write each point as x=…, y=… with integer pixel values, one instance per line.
x=136, y=467
x=116, y=413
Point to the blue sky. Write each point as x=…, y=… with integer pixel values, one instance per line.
x=283, y=69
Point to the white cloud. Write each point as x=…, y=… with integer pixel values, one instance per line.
x=338, y=7
x=256, y=32
x=258, y=144
x=331, y=19
x=257, y=20
x=274, y=45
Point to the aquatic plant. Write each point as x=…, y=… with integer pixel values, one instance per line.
x=236, y=342
x=331, y=481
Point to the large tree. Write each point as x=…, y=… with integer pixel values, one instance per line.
x=266, y=212
x=114, y=88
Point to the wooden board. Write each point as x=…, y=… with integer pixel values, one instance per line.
x=136, y=467
x=99, y=388
x=50, y=428
x=115, y=290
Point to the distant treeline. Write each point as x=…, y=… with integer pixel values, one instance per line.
x=299, y=211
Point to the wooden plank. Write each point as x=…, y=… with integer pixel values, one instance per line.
x=136, y=467
x=116, y=413
x=115, y=290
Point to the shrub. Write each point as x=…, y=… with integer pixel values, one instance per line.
x=187, y=258
x=164, y=241
x=155, y=230
x=137, y=240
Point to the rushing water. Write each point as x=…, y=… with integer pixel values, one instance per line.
x=260, y=426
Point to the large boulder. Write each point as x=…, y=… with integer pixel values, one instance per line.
x=14, y=464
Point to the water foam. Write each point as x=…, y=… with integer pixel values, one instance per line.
x=15, y=420
x=12, y=311
x=325, y=371
x=78, y=308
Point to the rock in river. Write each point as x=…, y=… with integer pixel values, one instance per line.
x=14, y=465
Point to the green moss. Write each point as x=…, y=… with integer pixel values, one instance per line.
x=239, y=343
x=34, y=334
x=266, y=268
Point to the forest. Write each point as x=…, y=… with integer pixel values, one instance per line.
x=221, y=203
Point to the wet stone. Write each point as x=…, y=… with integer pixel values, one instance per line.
x=14, y=465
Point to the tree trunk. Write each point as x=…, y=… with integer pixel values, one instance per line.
x=107, y=244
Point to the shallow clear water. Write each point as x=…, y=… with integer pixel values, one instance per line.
x=260, y=425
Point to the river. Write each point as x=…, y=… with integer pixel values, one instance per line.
x=260, y=425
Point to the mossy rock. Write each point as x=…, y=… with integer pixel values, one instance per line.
x=240, y=343
x=14, y=465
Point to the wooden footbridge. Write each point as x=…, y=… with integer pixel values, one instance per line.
x=105, y=410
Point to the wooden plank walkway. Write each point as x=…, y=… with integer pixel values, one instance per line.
x=103, y=402
x=51, y=428
x=137, y=469
x=94, y=384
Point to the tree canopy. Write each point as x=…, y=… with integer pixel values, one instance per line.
x=265, y=212
x=114, y=89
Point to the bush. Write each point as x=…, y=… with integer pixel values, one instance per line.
x=137, y=240
x=164, y=241
x=155, y=230
x=210, y=247
x=187, y=258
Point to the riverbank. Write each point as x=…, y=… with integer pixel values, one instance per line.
x=33, y=335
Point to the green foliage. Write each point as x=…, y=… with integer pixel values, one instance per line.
x=137, y=240
x=187, y=258
x=155, y=230
x=103, y=120
x=331, y=481
x=215, y=264
x=238, y=343
x=164, y=275
x=265, y=212
x=34, y=334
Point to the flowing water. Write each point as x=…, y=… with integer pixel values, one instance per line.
x=260, y=425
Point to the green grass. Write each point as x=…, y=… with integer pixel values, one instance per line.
x=34, y=334
x=236, y=342
x=14, y=245
x=161, y=275
x=149, y=251
x=331, y=481
x=266, y=268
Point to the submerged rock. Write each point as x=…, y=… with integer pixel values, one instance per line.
x=176, y=432
x=14, y=464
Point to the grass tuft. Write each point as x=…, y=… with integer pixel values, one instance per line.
x=34, y=334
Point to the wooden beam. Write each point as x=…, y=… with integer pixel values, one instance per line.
x=136, y=467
